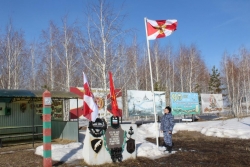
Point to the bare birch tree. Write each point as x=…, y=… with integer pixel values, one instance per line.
x=61, y=55
x=245, y=77
x=169, y=72
x=235, y=80
x=49, y=43
x=33, y=68
x=191, y=70
x=104, y=31
x=67, y=53
x=14, y=56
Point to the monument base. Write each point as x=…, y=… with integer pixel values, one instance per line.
x=95, y=150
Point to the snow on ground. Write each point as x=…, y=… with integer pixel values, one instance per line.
x=83, y=122
x=232, y=128
x=64, y=153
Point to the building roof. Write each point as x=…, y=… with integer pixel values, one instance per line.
x=58, y=94
x=6, y=95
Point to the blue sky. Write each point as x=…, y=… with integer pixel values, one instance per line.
x=214, y=26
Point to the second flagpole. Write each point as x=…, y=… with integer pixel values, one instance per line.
x=152, y=85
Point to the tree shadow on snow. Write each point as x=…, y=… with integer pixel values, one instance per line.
x=245, y=124
x=68, y=155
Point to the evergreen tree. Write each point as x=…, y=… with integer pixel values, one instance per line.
x=214, y=85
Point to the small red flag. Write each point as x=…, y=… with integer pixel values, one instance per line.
x=115, y=110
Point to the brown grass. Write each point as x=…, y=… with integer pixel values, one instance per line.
x=62, y=141
x=193, y=149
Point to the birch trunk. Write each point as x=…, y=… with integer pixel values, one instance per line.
x=248, y=78
x=51, y=76
x=33, y=73
x=225, y=61
x=181, y=72
x=191, y=59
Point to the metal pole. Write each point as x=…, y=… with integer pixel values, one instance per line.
x=152, y=84
x=77, y=119
x=33, y=121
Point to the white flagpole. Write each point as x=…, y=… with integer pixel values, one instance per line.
x=152, y=84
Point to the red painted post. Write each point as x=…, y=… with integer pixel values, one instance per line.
x=47, y=161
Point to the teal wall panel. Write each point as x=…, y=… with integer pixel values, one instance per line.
x=19, y=118
x=60, y=129
x=65, y=130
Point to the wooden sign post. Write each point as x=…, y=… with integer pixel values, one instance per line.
x=47, y=161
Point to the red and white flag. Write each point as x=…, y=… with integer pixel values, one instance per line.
x=90, y=109
x=160, y=28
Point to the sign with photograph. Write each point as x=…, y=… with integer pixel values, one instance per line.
x=141, y=102
x=184, y=103
x=211, y=103
x=57, y=110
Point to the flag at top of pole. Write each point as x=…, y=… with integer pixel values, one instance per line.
x=157, y=29
x=160, y=28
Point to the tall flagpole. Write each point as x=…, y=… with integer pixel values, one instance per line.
x=152, y=85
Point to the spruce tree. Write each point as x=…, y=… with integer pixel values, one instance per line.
x=215, y=82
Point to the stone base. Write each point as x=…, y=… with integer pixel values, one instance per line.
x=103, y=156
